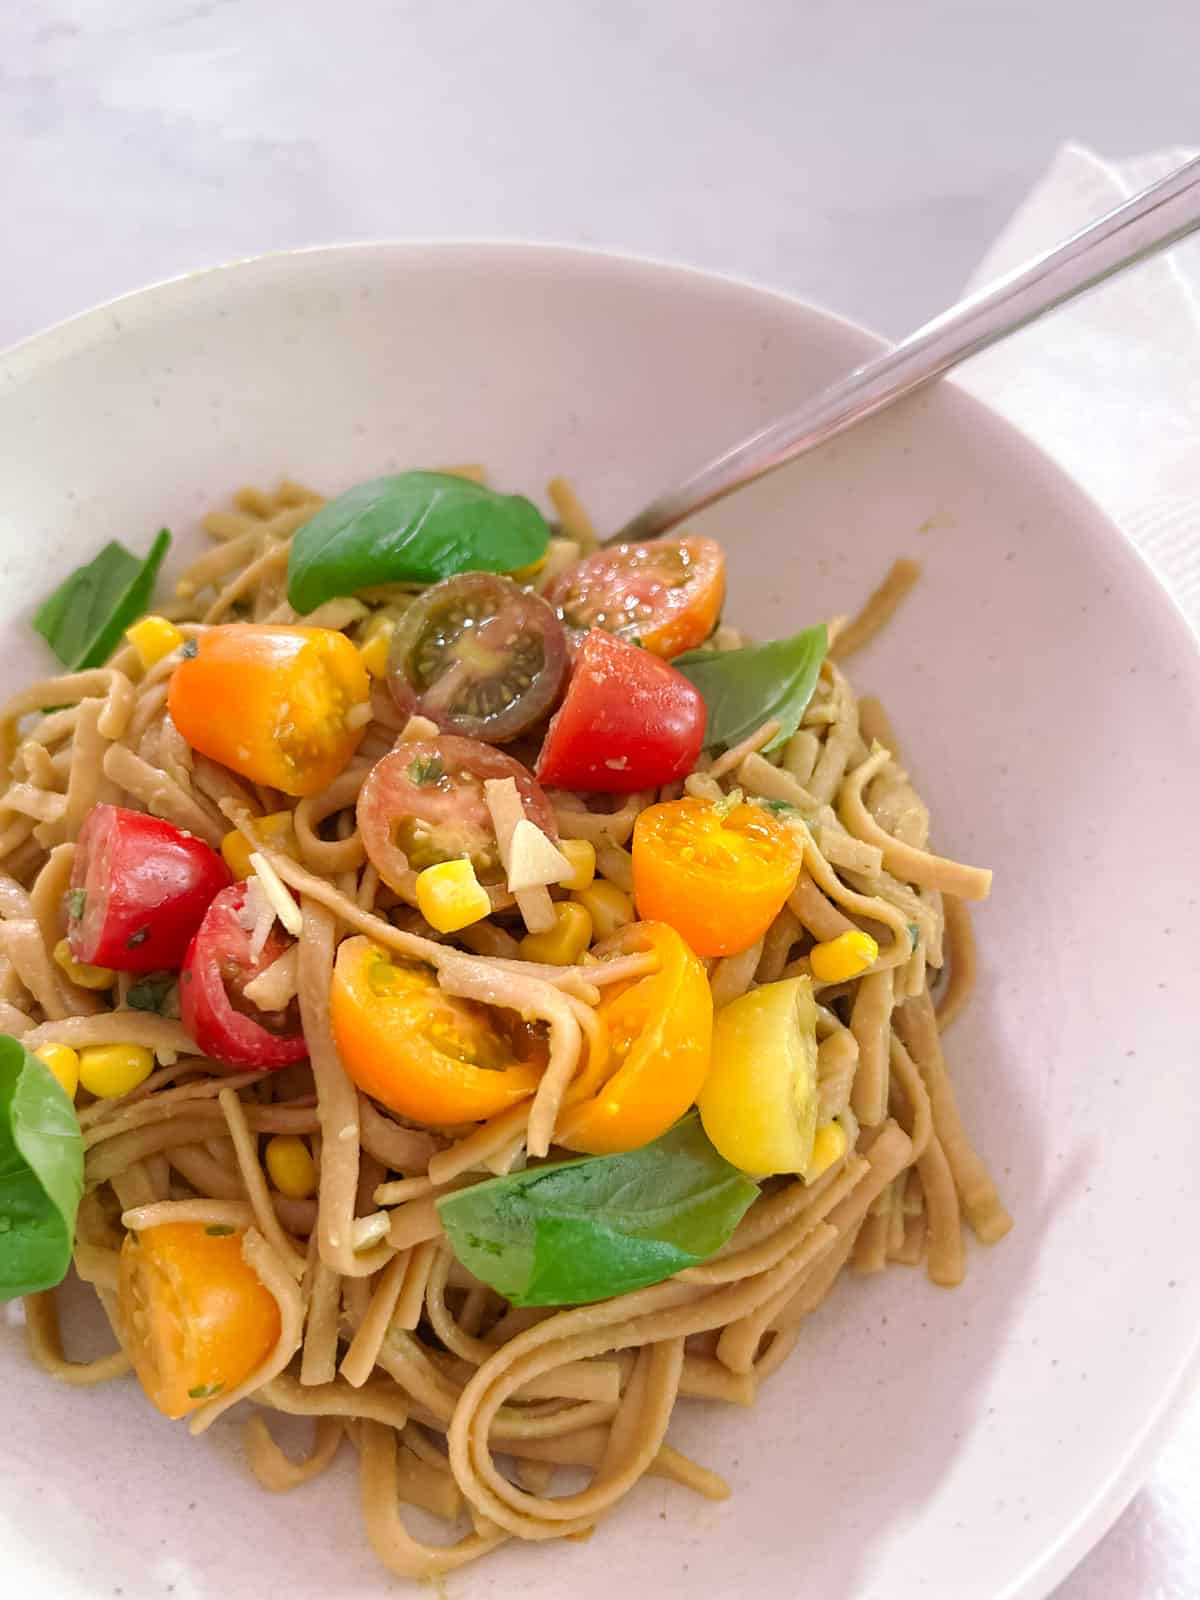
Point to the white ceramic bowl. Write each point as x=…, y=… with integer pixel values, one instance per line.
x=966, y=1444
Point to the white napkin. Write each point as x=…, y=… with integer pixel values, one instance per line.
x=1110, y=386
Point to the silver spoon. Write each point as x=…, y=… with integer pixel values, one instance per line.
x=1157, y=217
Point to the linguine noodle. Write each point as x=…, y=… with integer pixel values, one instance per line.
x=454, y=1401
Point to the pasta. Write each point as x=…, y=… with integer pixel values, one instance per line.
x=455, y=1400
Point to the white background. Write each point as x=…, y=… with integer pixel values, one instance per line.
x=862, y=153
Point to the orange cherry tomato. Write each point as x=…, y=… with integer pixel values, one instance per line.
x=196, y=1316
x=659, y=1036
x=280, y=705
x=665, y=594
x=421, y=1052
x=720, y=880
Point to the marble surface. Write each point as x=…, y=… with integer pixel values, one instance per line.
x=863, y=156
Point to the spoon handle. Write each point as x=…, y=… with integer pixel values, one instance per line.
x=1165, y=212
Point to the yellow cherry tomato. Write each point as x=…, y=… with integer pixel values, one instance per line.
x=759, y=1102
x=421, y=1052
x=280, y=705
x=197, y=1318
x=659, y=1037
x=720, y=879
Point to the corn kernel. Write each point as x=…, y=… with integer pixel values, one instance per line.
x=87, y=977
x=450, y=896
x=829, y=1147
x=291, y=1166
x=375, y=646
x=63, y=1063
x=566, y=941
x=610, y=908
x=581, y=853
x=111, y=1070
x=850, y=954
x=153, y=638
x=275, y=830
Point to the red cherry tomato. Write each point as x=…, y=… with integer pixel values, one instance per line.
x=665, y=594
x=478, y=655
x=212, y=1000
x=424, y=803
x=630, y=721
x=139, y=888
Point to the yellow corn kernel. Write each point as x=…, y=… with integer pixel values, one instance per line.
x=610, y=908
x=375, y=646
x=153, y=638
x=63, y=1063
x=275, y=830
x=845, y=957
x=450, y=896
x=111, y=1070
x=566, y=941
x=829, y=1146
x=291, y=1166
x=581, y=853
x=80, y=972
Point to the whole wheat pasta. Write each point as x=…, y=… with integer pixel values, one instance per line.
x=277, y=1471
x=878, y=610
x=955, y=995
x=458, y=1403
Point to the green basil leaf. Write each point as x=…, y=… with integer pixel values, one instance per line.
x=574, y=1231
x=745, y=688
x=152, y=992
x=84, y=618
x=41, y=1173
x=417, y=527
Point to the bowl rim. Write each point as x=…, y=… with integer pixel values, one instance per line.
x=34, y=352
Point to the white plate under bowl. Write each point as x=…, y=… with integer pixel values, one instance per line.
x=920, y=1442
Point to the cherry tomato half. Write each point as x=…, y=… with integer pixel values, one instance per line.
x=431, y=1057
x=139, y=888
x=659, y=1031
x=284, y=706
x=424, y=803
x=478, y=655
x=719, y=879
x=665, y=595
x=629, y=721
x=196, y=1317
x=212, y=1001
x=760, y=1099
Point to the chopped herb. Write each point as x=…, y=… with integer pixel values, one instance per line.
x=189, y=649
x=76, y=901
x=151, y=992
x=133, y=1235
x=219, y=1230
x=426, y=770
x=914, y=934
x=84, y=618
x=781, y=808
x=137, y=938
x=205, y=1391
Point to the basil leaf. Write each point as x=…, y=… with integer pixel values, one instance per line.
x=152, y=992
x=41, y=1173
x=745, y=688
x=417, y=527
x=84, y=618
x=574, y=1231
